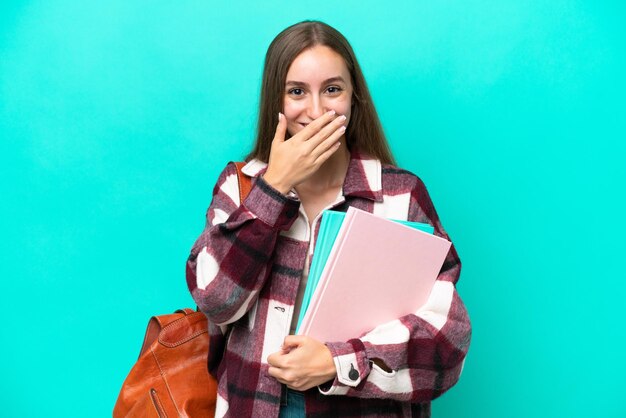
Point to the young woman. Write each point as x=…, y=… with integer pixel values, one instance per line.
x=319, y=146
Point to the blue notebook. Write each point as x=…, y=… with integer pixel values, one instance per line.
x=329, y=228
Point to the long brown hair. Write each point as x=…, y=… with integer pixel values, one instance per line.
x=364, y=133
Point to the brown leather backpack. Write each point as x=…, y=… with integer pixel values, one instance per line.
x=170, y=378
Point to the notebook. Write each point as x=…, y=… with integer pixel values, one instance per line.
x=329, y=229
x=378, y=270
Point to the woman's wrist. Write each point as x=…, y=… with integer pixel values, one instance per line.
x=277, y=184
x=331, y=369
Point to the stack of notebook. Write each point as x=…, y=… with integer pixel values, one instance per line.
x=366, y=271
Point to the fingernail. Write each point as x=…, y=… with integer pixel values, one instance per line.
x=279, y=116
x=331, y=112
x=342, y=118
x=342, y=129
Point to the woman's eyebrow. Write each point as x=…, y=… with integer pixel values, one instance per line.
x=303, y=84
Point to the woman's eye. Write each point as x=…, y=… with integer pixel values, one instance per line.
x=333, y=89
x=296, y=92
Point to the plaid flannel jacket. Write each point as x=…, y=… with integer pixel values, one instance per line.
x=244, y=271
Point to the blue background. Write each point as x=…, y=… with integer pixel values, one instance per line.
x=117, y=116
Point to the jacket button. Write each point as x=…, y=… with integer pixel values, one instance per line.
x=353, y=374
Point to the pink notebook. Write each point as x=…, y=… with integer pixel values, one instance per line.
x=378, y=271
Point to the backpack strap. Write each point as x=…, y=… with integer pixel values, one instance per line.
x=245, y=182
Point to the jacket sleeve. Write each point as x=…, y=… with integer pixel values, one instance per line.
x=231, y=260
x=415, y=358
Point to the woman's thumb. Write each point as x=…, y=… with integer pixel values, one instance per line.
x=292, y=341
x=281, y=128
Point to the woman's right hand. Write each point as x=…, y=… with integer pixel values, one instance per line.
x=293, y=161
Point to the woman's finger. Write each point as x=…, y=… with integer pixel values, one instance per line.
x=281, y=375
x=326, y=132
x=329, y=144
x=314, y=127
x=276, y=373
x=281, y=128
x=327, y=154
x=293, y=341
x=275, y=360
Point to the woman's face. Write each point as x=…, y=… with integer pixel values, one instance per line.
x=317, y=81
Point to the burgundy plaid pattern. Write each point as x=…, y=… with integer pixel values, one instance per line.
x=244, y=271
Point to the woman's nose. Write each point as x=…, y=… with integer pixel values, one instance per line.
x=316, y=108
